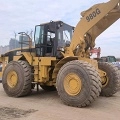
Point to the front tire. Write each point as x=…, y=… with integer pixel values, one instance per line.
x=112, y=84
x=16, y=78
x=78, y=83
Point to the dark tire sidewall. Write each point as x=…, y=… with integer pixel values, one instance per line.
x=85, y=90
x=111, y=87
x=13, y=66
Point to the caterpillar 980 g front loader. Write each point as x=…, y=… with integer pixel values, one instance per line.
x=61, y=59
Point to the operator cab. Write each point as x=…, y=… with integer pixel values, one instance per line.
x=52, y=37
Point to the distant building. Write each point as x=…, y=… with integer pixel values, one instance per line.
x=1, y=50
x=13, y=44
x=24, y=40
x=4, y=49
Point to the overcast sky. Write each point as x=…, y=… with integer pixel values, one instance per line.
x=23, y=15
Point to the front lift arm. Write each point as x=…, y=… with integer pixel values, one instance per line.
x=94, y=21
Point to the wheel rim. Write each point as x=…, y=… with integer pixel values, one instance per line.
x=105, y=81
x=12, y=79
x=72, y=84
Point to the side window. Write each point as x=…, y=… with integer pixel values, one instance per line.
x=39, y=33
x=66, y=35
x=112, y=59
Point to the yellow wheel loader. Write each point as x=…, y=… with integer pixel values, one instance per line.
x=61, y=59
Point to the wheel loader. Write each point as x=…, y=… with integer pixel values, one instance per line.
x=61, y=60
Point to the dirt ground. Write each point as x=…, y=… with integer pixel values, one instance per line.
x=48, y=106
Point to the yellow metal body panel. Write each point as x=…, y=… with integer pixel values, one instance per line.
x=4, y=61
x=28, y=57
x=16, y=58
x=35, y=61
x=36, y=68
x=1, y=74
x=46, y=60
x=44, y=66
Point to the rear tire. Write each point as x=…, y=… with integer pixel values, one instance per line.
x=16, y=78
x=48, y=88
x=113, y=79
x=83, y=83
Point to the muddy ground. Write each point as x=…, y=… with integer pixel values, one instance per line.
x=47, y=106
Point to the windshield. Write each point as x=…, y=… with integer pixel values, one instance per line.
x=64, y=35
x=112, y=59
x=108, y=59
